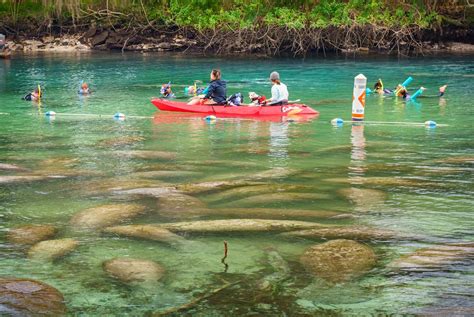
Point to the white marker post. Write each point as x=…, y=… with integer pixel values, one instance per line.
x=358, y=98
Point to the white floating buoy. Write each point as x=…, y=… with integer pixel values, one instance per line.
x=50, y=114
x=119, y=116
x=210, y=118
x=430, y=124
x=337, y=121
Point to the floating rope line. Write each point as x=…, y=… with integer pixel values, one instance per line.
x=429, y=123
x=118, y=115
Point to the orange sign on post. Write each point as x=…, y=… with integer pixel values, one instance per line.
x=358, y=98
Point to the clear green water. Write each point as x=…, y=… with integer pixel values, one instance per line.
x=324, y=158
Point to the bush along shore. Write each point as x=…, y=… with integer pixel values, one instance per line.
x=240, y=26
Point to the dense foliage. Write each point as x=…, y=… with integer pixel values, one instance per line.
x=232, y=14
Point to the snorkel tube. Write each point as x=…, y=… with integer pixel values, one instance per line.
x=404, y=85
x=40, y=94
x=380, y=89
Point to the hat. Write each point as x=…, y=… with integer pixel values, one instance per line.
x=274, y=76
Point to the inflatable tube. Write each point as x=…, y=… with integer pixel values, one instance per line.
x=407, y=81
x=404, y=84
x=417, y=93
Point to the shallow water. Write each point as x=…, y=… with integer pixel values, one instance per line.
x=425, y=175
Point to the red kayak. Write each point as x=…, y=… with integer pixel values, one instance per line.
x=242, y=110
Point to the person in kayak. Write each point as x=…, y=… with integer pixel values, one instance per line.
x=216, y=91
x=166, y=91
x=279, y=91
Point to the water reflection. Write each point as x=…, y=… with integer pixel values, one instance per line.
x=358, y=153
x=279, y=143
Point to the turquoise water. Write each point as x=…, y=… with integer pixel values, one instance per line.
x=424, y=176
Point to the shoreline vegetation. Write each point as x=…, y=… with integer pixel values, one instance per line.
x=239, y=27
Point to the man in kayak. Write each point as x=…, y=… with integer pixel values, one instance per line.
x=216, y=91
x=279, y=91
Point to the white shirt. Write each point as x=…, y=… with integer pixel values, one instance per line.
x=279, y=93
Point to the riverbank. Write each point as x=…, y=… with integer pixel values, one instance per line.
x=246, y=27
x=161, y=41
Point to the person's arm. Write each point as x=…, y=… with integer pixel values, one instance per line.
x=275, y=94
x=210, y=91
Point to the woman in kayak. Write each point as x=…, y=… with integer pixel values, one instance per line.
x=216, y=91
x=279, y=91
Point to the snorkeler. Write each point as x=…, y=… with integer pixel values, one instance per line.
x=84, y=90
x=442, y=90
x=35, y=95
x=378, y=87
x=166, y=91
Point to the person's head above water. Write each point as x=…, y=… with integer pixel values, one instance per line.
x=216, y=74
x=84, y=86
x=275, y=77
x=378, y=84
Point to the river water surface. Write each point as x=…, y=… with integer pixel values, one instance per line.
x=415, y=182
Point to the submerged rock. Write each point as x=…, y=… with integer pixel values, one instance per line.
x=434, y=257
x=285, y=197
x=364, y=199
x=52, y=249
x=133, y=270
x=27, y=297
x=106, y=215
x=30, y=234
x=359, y=233
x=239, y=225
x=147, y=155
x=147, y=232
x=338, y=260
